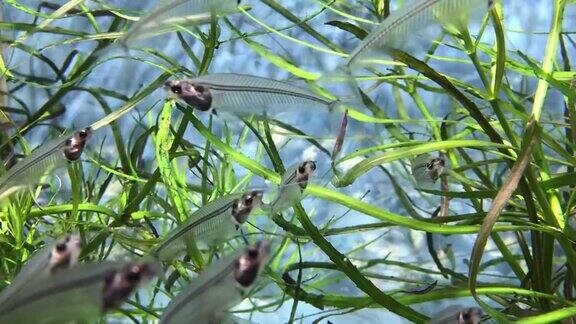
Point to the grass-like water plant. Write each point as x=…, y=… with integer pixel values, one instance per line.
x=368, y=242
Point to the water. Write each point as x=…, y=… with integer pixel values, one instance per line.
x=127, y=76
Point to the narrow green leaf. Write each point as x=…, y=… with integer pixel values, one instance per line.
x=169, y=173
x=351, y=28
x=362, y=167
x=500, y=201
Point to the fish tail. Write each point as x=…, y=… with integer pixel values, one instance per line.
x=352, y=84
x=351, y=98
x=116, y=48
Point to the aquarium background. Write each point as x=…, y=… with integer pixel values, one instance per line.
x=126, y=73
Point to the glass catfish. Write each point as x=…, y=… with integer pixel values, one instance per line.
x=294, y=182
x=48, y=157
x=458, y=315
x=62, y=254
x=215, y=222
x=395, y=31
x=241, y=94
x=221, y=286
x=80, y=293
x=171, y=15
x=427, y=169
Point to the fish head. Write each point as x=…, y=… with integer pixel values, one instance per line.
x=435, y=167
x=74, y=146
x=250, y=263
x=193, y=94
x=470, y=315
x=303, y=173
x=65, y=253
x=243, y=206
x=119, y=284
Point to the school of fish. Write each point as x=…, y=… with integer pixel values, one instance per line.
x=55, y=286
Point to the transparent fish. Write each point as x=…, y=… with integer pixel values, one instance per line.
x=292, y=186
x=242, y=94
x=119, y=284
x=458, y=315
x=43, y=160
x=221, y=286
x=80, y=293
x=427, y=169
x=62, y=254
x=211, y=224
x=398, y=28
x=170, y=15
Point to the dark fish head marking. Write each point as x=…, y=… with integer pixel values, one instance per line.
x=193, y=94
x=118, y=285
x=243, y=206
x=303, y=173
x=65, y=253
x=249, y=264
x=60, y=247
x=435, y=167
x=470, y=315
x=74, y=146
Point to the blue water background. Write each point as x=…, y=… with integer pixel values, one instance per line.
x=532, y=18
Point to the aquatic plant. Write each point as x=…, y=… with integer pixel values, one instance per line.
x=443, y=184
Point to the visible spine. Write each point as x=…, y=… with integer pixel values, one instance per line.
x=417, y=12
x=251, y=90
x=32, y=167
x=205, y=286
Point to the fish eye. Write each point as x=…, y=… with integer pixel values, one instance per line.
x=133, y=275
x=252, y=253
x=249, y=198
x=61, y=247
x=83, y=134
x=302, y=168
x=430, y=165
x=68, y=142
x=176, y=88
x=199, y=88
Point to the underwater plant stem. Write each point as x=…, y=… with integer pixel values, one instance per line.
x=492, y=97
x=168, y=171
x=549, y=57
x=353, y=273
x=295, y=19
x=554, y=216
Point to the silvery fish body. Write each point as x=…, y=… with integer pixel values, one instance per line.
x=43, y=160
x=170, y=15
x=220, y=287
x=62, y=254
x=211, y=224
x=400, y=26
x=458, y=315
x=427, y=169
x=80, y=293
x=242, y=94
x=292, y=186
